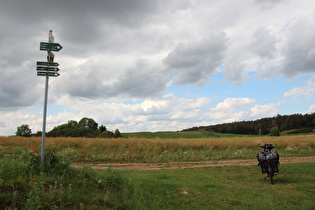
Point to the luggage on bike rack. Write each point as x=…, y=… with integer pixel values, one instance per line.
x=273, y=157
x=275, y=166
x=261, y=157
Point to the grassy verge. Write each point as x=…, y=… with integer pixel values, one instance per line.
x=23, y=185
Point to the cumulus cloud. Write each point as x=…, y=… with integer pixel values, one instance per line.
x=307, y=91
x=19, y=87
x=263, y=43
x=299, y=51
x=100, y=81
x=230, y=110
x=195, y=62
x=151, y=112
x=261, y=111
x=237, y=109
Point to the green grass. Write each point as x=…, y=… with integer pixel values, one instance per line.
x=22, y=186
x=179, y=135
x=165, y=135
x=225, y=188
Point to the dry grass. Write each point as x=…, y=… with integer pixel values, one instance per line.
x=160, y=150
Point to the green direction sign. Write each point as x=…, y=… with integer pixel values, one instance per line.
x=46, y=68
x=43, y=63
x=47, y=73
x=50, y=46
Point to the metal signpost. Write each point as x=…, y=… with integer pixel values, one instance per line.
x=47, y=69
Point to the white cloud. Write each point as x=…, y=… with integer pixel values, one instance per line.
x=230, y=110
x=12, y=119
x=261, y=111
x=307, y=91
x=311, y=109
x=231, y=104
x=151, y=113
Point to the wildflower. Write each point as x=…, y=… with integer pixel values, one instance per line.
x=82, y=154
x=34, y=149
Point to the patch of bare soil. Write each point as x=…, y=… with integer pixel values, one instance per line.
x=183, y=165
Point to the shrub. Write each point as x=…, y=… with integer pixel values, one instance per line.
x=274, y=131
x=53, y=163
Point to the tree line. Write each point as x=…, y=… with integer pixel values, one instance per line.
x=86, y=127
x=295, y=123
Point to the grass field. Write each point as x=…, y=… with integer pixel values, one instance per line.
x=23, y=185
x=226, y=187
x=232, y=187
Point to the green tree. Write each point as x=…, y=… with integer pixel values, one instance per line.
x=24, y=131
x=274, y=131
x=38, y=134
x=72, y=123
x=117, y=134
x=88, y=123
x=102, y=128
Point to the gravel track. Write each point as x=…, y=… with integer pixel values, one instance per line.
x=183, y=165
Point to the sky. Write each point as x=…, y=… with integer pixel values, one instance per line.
x=158, y=65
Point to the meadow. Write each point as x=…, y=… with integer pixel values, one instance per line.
x=24, y=185
x=158, y=149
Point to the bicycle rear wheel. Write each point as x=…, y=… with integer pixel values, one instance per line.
x=270, y=173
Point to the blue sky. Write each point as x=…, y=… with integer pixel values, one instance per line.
x=157, y=65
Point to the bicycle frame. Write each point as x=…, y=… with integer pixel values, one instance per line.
x=270, y=172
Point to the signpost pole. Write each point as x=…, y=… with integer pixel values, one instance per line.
x=50, y=59
x=44, y=123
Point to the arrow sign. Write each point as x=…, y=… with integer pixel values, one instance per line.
x=46, y=68
x=43, y=63
x=50, y=46
x=47, y=73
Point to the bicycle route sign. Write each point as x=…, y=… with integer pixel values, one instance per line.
x=49, y=68
x=50, y=46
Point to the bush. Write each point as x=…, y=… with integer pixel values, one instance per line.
x=274, y=131
x=53, y=163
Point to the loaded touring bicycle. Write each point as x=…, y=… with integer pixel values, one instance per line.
x=268, y=161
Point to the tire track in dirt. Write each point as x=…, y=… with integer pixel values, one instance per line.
x=183, y=165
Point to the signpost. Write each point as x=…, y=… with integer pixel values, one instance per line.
x=47, y=69
x=49, y=74
x=50, y=46
x=43, y=63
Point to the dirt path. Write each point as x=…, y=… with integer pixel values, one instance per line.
x=182, y=165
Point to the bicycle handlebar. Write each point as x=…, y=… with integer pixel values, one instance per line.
x=267, y=146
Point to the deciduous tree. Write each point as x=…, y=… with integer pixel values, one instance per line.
x=24, y=131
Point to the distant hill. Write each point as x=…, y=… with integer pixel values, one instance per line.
x=290, y=124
